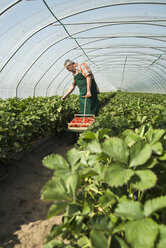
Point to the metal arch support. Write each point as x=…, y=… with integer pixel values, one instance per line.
x=152, y=75
x=9, y=7
x=70, y=80
x=102, y=39
x=80, y=12
x=139, y=88
x=61, y=70
x=143, y=68
x=130, y=3
x=162, y=66
x=145, y=82
x=75, y=48
x=61, y=82
x=91, y=9
x=22, y=45
x=39, y=31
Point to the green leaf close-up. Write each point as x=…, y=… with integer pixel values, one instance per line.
x=154, y=205
x=57, y=208
x=55, y=189
x=157, y=148
x=116, y=149
x=141, y=233
x=107, y=199
x=153, y=136
x=99, y=239
x=73, y=156
x=56, y=162
x=84, y=242
x=117, y=175
x=94, y=147
x=130, y=210
x=143, y=179
x=101, y=223
x=140, y=152
x=131, y=138
x=53, y=244
x=118, y=242
x=72, y=184
x=162, y=236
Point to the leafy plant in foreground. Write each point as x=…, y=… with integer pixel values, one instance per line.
x=105, y=191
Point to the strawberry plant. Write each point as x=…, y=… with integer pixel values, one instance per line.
x=130, y=110
x=23, y=121
x=105, y=190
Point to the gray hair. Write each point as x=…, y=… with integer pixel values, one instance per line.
x=68, y=62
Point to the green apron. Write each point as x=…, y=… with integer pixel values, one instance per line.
x=92, y=106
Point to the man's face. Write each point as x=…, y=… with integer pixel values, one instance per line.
x=70, y=67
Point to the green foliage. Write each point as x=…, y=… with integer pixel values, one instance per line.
x=141, y=233
x=117, y=175
x=131, y=110
x=23, y=121
x=111, y=191
x=111, y=187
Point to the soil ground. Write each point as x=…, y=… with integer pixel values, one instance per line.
x=23, y=215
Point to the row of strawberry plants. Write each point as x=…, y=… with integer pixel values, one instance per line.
x=112, y=193
x=130, y=110
x=111, y=186
x=23, y=121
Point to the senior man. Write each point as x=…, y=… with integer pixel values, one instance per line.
x=84, y=79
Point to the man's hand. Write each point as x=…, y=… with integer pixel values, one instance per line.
x=88, y=94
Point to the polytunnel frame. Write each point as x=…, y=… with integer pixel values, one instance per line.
x=73, y=48
x=108, y=67
x=92, y=51
x=151, y=75
x=160, y=75
x=136, y=66
x=9, y=7
x=155, y=83
x=74, y=58
x=117, y=4
x=154, y=75
x=138, y=46
x=67, y=52
x=148, y=84
x=61, y=70
x=67, y=75
x=110, y=24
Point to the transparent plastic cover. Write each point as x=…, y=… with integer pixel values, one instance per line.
x=123, y=41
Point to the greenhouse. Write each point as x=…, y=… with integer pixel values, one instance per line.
x=123, y=41
x=83, y=123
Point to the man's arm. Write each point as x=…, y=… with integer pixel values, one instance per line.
x=86, y=72
x=69, y=91
x=89, y=83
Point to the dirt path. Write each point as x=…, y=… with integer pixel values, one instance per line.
x=23, y=215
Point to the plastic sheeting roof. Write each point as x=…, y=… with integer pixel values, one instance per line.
x=123, y=41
